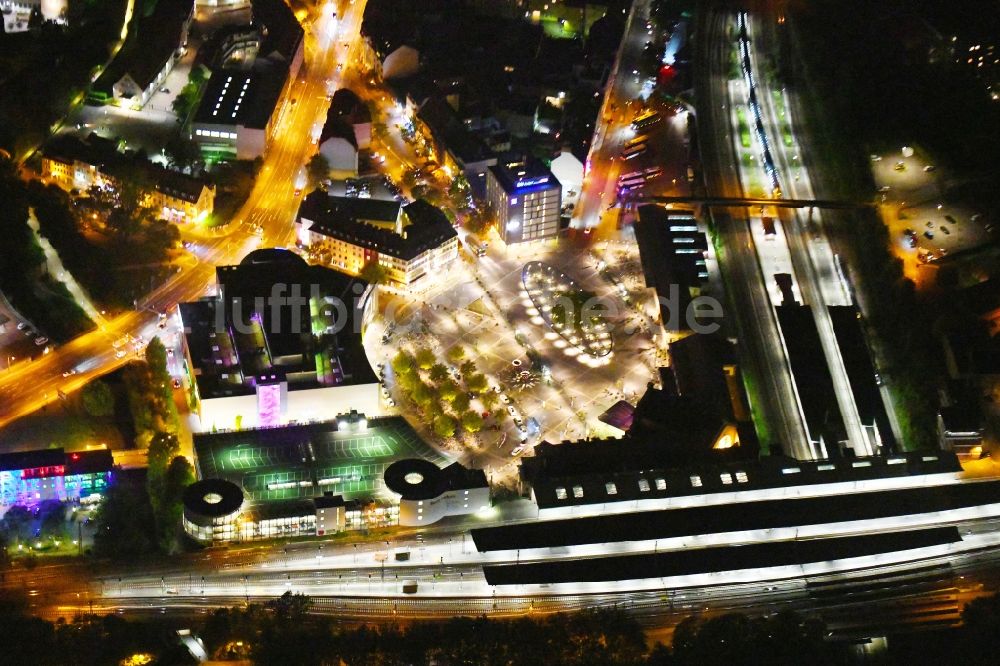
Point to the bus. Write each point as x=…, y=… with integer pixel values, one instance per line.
x=631, y=181
x=769, y=230
x=478, y=248
x=634, y=151
x=652, y=172
x=642, y=138
x=646, y=120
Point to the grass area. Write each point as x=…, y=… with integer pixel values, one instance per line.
x=764, y=435
x=786, y=136
x=62, y=424
x=744, y=129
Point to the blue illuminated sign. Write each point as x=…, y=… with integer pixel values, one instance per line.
x=528, y=182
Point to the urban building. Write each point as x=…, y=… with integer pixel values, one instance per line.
x=30, y=477
x=569, y=171
x=672, y=250
x=526, y=198
x=322, y=478
x=79, y=164
x=659, y=527
x=428, y=493
x=348, y=108
x=154, y=44
x=414, y=244
x=243, y=100
x=17, y=13
x=339, y=145
x=280, y=342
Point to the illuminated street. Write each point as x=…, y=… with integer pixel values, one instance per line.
x=270, y=207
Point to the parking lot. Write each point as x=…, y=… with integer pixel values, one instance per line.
x=923, y=227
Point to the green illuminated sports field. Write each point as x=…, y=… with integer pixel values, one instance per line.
x=304, y=461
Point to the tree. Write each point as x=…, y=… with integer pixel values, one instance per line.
x=438, y=372
x=448, y=390
x=373, y=273
x=318, y=169
x=456, y=353
x=168, y=511
x=181, y=152
x=409, y=179
x=403, y=363
x=461, y=402
x=458, y=192
x=444, y=426
x=124, y=521
x=53, y=519
x=489, y=400
x=425, y=358
x=97, y=398
x=423, y=394
x=472, y=421
x=477, y=383
x=479, y=218
x=468, y=368
x=16, y=521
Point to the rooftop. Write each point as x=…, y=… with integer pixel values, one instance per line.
x=578, y=473
x=241, y=97
x=76, y=462
x=151, y=42
x=737, y=516
x=346, y=219
x=305, y=460
x=523, y=175
x=234, y=344
x=692, y=561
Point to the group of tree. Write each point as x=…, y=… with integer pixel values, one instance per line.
x=234, y=180
x=187, y=99
x=148, y=386
x=97, y=398
x=132, y=250
x=318, y=170
x=286, y=631
x=24, y=280
x=432, y=387
x=168, y=474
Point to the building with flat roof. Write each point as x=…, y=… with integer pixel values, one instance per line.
x=414, y=244
x=527, y=199
x=672, y=251
x=811, y=376
x=30, y=477
x=280, y=342
x=864, y=380
x=348, y=473
x=154, y=44
x=242, y=103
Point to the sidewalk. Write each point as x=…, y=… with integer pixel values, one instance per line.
x=56, y=269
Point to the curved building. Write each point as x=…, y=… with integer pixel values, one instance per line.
x=428, y=493
x=211, y=510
